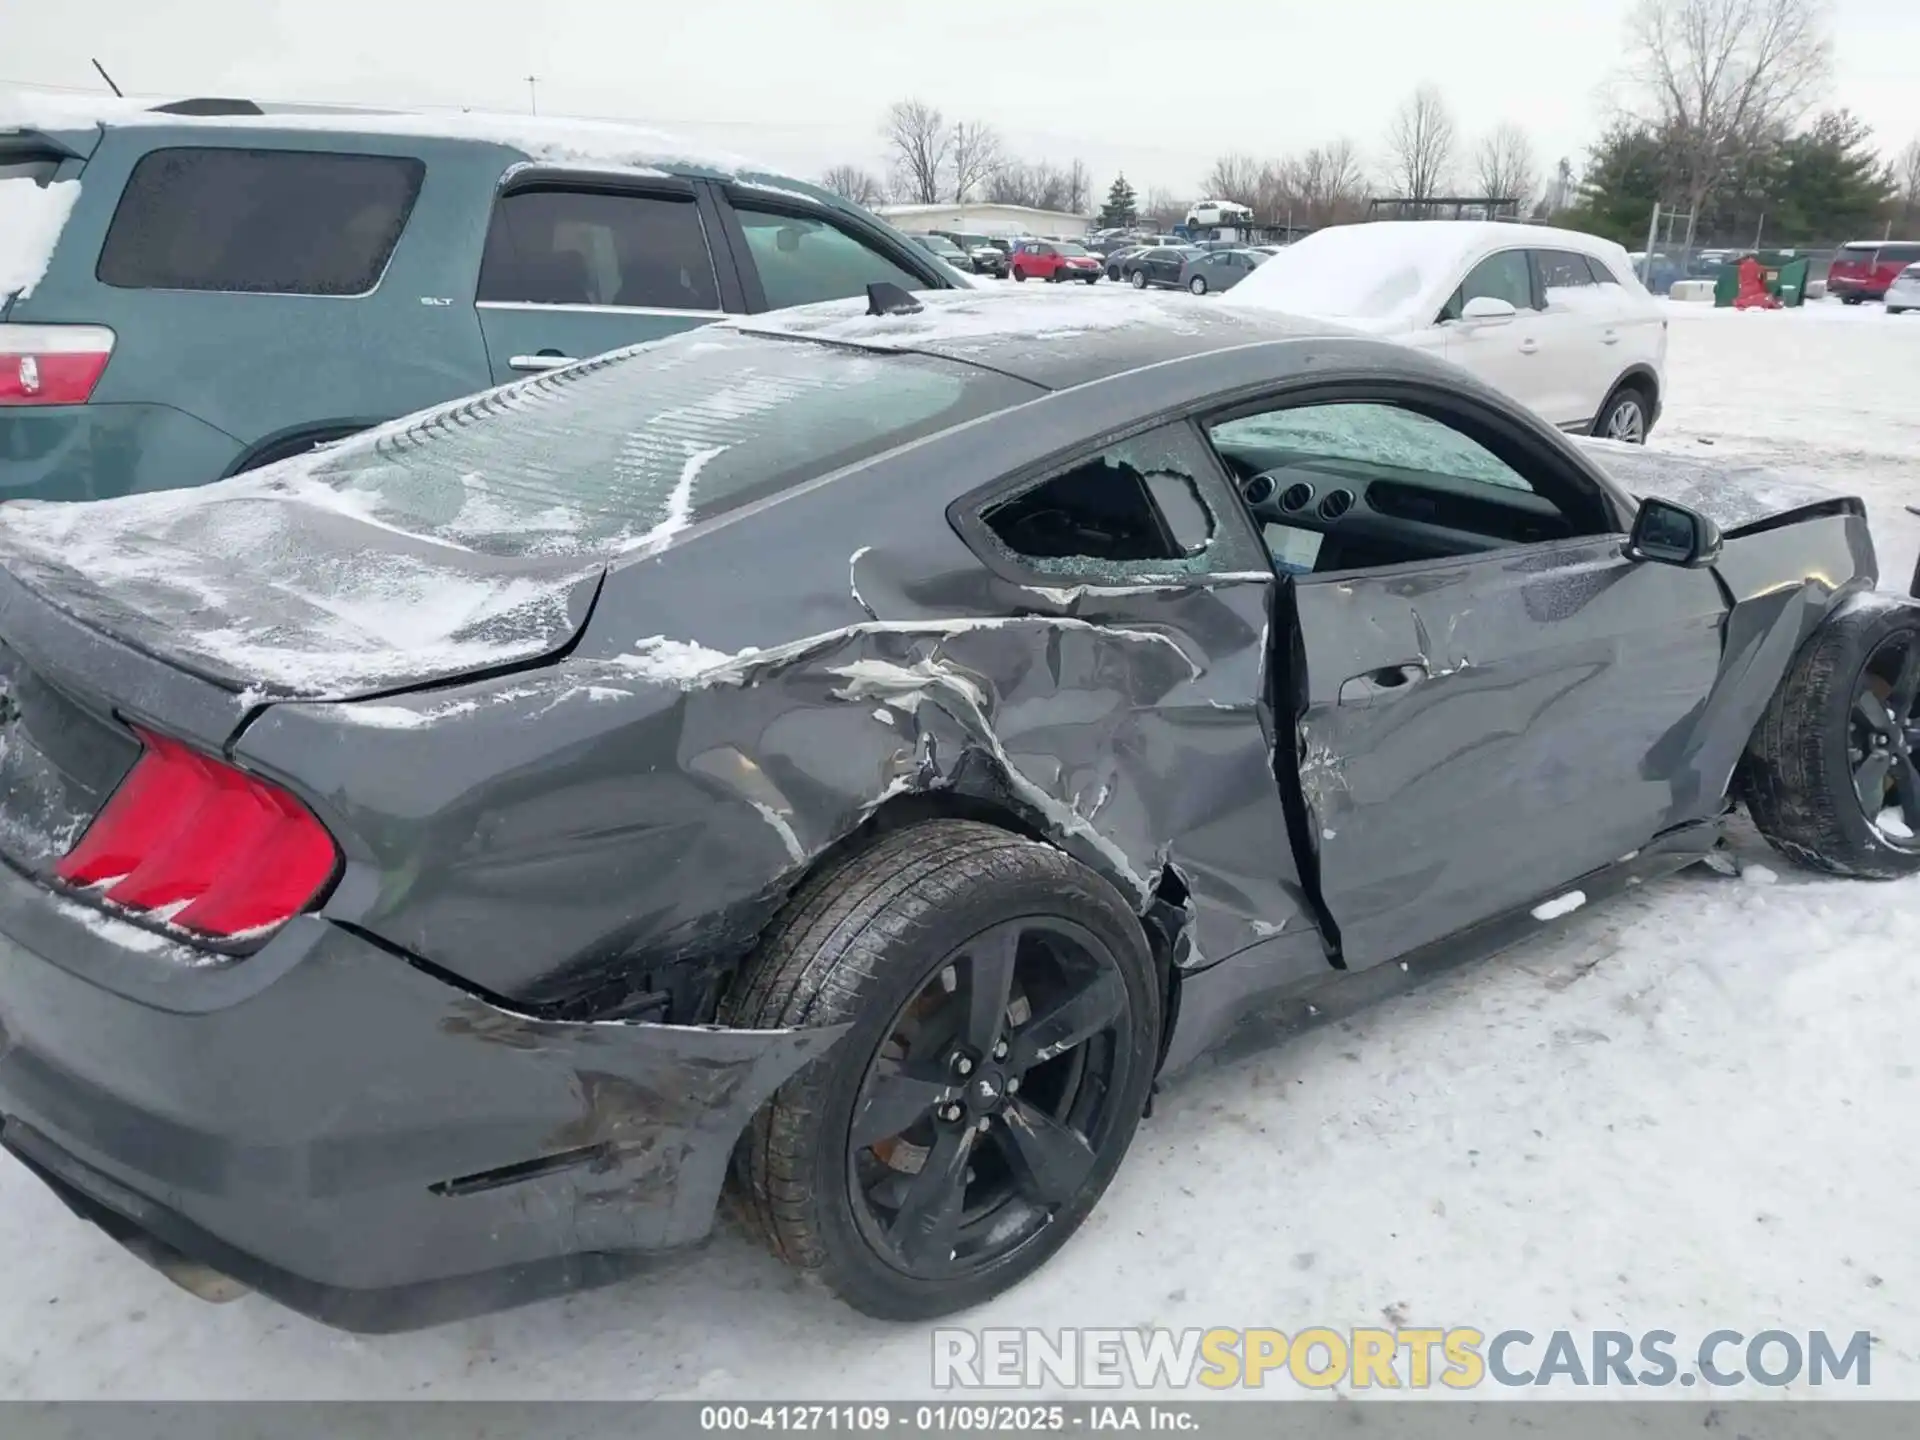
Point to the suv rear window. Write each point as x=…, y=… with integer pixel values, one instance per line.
x=286, y=222
x=623, y=450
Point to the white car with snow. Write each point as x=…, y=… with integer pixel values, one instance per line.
x=1555, y=318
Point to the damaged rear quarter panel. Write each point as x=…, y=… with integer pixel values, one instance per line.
x=647, y=804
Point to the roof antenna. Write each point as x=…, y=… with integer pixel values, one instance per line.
x=109, y=79
x=886, y=298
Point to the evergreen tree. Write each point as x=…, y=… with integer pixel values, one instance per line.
x=1122, y=208
x=1626, y=172
x=1829, y=185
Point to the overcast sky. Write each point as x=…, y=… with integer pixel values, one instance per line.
x=1155, y=89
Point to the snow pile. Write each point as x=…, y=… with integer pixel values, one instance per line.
x=31, y=219
x=1387, y=273
x=551, y=138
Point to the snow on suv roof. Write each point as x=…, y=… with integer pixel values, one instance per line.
x=553, y=138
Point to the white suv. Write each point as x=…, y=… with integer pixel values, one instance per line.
x=1555, y=318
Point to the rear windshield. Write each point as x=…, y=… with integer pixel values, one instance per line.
x=285, y=222
x=625, y=450
x=39, y=169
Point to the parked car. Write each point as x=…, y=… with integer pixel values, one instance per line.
x=1163, y=265
x=430, y=860
x=984, y=254
x=1219, y=269
x=1555, y=318
x=1866, y=269
x=199, y=245
x=941, y=246
x=1659, y=273
x=1118, y=256
x=1904, y=294
x=1054, y=260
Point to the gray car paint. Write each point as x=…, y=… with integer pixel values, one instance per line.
x=558, y=859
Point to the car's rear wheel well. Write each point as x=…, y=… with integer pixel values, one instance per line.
x=1165, y=921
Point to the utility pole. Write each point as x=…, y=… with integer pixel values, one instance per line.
x=533, y=94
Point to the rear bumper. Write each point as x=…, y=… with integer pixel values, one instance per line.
x=92, y=452
x=338, y=1129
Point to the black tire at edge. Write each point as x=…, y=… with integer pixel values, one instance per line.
x=853, y=944
x=1797, y=784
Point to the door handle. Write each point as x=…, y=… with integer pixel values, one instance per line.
x=1386, y=683
x=1610, y=337
x=1529, y=345
x=545, y=360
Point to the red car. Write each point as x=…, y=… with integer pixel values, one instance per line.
x=1866, y=269
x=1054, y=260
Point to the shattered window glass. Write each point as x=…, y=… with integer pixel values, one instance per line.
x=284, y=222
x=1134, y=509
x=1371, y=434
x=626, y=450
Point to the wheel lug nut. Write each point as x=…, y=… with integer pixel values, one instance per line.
x=1000, y=1049
x=1013, y=1085
x=950, y=1113
x=963, y=1066
x=982, y=1123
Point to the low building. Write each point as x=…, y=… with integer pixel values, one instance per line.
x=984, y=219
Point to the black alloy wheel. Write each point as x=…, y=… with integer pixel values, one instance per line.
x=1883, y=736
x=990, y=1100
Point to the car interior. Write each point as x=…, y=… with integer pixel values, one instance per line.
x=1357, y=486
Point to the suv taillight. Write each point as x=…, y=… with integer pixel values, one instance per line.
x=52, y=364
x=191, y=841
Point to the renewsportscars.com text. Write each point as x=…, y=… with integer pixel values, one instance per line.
x=1405, y=1358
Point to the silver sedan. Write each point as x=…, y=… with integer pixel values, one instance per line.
x=1219, y=269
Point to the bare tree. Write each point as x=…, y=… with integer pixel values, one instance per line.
x=1721, y=78
x=1504, y=166
x=1162, y=210
x=850, y=182
x=1042, y=185
x=1079, y=189
x=1420, y=145
x=976, y=155
x=917, y=142
x=1234, y=177
x=1327, y=185
x=1906, y=174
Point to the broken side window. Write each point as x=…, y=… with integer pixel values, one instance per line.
x=1136, y=507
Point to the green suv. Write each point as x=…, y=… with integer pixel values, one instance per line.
x=209, y=286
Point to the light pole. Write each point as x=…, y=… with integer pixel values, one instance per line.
x=533, y=95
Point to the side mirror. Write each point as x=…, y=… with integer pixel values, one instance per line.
x=1671, y=534
x=1488, y=310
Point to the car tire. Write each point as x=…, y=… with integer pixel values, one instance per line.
x=1091, y=279
x=1198, y=285
x=1113, y=273
x=1139, y=278
x=1812, y=767
x=869, y=942
x=1020, y=275
x=1627, y=416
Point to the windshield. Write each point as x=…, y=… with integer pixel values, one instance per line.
x=1067, y=247
x=1371, y=272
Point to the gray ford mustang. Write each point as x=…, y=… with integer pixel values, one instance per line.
x=842, y=758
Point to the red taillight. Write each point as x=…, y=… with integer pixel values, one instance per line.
x=208, y=848
x=52, y=364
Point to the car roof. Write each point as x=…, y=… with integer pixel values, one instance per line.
x=551, y=140
x=1055, y=341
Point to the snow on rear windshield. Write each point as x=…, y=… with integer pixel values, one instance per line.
x=621, y=453
x=31, y=219
x=1357, y=272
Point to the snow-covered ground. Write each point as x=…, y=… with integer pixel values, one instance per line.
x=1691, y=1108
